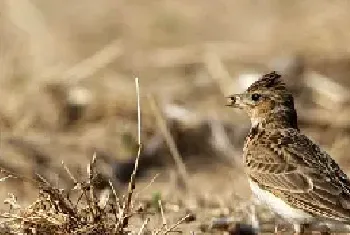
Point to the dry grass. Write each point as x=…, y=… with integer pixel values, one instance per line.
x=92, y=212
x=55, y=210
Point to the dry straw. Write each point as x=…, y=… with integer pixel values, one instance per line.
x=91, y=212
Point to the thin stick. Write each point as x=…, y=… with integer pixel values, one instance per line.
x=216, y=69
x=162, y=213
x=180, y=221
x=116, y=198
x=114, y=193
x=181, y=167
x=138, y=111
x=89, y=66
x=91, y=172
x=69, y=173
x=127, y=203
x=43, y=180
x=137, y=194
x=143, y=226
x=220, y=75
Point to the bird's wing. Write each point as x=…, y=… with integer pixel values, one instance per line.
x=295, y=168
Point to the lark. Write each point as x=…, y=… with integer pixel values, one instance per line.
x=286, y=170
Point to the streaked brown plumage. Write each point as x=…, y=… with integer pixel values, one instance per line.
x=286, y=164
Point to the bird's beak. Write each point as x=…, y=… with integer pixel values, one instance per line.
x=234, y=101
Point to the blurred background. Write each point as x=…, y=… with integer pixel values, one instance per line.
x=67, y=89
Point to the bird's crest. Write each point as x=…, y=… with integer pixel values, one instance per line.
x=268, y=82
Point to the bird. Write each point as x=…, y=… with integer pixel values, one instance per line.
x=287, y=170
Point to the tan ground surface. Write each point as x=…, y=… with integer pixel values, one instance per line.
x=67, y=73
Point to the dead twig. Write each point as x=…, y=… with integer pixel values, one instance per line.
x=180, y=221
x=69, y=173
x=117, y=201
x=127, y=203
x=143, y=226
x=181, y=167
x=147, y=186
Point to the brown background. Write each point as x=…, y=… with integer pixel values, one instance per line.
x=67, y=89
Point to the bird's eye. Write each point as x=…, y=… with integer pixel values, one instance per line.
x=256, y=97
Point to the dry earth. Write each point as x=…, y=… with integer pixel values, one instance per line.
x=67, y=90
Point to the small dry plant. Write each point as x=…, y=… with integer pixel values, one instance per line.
x=55, y=211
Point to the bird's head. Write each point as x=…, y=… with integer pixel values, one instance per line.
x=266, y=100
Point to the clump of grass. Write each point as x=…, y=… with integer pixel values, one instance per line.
x=57, y=210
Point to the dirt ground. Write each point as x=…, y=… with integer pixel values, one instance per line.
x=67, y=90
